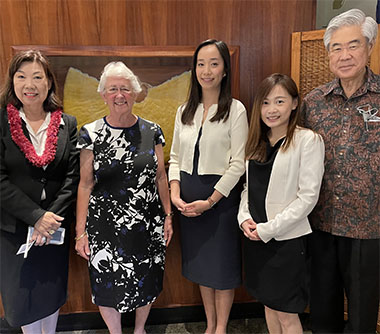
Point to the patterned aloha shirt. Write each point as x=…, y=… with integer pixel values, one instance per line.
x=349, y=203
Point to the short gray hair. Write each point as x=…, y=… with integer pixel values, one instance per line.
x=118, y=69
x=350, y=18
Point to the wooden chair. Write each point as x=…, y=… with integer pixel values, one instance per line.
x=310, y=66
x=309, y=61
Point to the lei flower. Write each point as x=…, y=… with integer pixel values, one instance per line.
x=24, y=143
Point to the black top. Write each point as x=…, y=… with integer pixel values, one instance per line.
x=259, y=175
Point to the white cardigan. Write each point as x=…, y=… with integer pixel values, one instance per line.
x=293, y=188
x=221, y=147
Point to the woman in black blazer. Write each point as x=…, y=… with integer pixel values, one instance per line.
x=39, y=175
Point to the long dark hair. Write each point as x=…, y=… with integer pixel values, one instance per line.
x=258, y=131
x=8, y=94
x=195, y=95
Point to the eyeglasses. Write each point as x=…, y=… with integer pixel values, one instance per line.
x=337, y=49
x=122, y=89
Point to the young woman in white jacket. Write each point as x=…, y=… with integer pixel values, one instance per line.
x=206, y=163
x=284, y=168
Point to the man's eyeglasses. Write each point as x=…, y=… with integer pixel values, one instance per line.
x=337, y=49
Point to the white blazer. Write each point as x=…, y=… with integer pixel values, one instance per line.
x=293, y=188
x=221, y=146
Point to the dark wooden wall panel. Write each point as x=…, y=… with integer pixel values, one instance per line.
x=262, y=29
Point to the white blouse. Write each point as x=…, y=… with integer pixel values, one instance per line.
x=38, y=139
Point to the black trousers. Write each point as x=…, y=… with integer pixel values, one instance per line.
x=344, y=265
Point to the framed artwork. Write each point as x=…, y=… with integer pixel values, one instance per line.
x=164, y=72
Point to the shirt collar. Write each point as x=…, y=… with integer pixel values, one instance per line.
x=43, y=126
x=46, y=122
x=371, y=83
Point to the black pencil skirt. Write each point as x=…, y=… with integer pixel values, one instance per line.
x=276, y=273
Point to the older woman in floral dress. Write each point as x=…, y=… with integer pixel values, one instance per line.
x=123, y=210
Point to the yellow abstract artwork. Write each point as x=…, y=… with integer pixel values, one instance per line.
x=160, y=105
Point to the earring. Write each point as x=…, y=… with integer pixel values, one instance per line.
x=224, y=75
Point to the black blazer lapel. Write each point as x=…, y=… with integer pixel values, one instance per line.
x=63, y=140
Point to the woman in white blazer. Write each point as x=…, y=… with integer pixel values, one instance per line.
x=284, y=169
x=206, y=163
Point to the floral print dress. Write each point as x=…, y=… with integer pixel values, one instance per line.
x=125, y=217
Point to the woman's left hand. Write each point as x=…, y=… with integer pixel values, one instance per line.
x=255, y=236
x=48, y=223
x=196, y=208
x=39, y=238
x=168, y=230
x=82, y=247
x=249, y=228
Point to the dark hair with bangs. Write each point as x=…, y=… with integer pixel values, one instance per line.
x=195, y=94
x=258, y=130
x=8, y=94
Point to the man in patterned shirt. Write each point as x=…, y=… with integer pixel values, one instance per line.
x=346, y=221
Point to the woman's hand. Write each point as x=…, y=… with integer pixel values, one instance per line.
x=178, y=203
x=39, y=238
x=196, y=208
x=175, y=195
x=168, y=230
x=82, y=247
x=249, y=229
x=47, y=225
x=256, y=236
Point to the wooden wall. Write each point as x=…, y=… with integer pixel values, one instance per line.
x=262, y=29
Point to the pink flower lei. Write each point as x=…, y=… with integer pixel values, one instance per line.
x=26, y=146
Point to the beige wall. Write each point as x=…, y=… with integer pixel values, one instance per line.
x=325, y=11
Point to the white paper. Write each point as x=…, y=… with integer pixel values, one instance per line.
x=57, y=239
x=22, y=248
